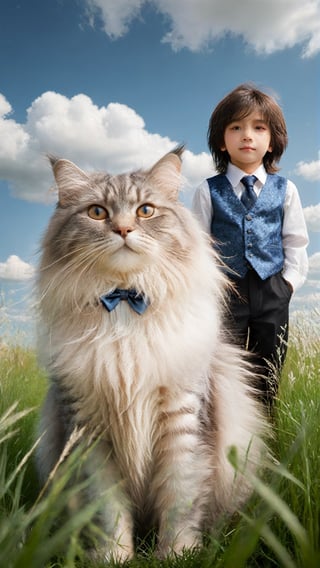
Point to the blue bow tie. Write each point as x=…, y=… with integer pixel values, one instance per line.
x=136, y=301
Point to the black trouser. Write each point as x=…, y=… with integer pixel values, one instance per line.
x=259, y=316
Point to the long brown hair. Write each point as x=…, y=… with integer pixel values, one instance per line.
x=237, y=105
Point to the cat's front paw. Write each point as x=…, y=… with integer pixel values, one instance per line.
x=117, y=553
x=185, y=540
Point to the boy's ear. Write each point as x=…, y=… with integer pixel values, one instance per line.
x=223, y=148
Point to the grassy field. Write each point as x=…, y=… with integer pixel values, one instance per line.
x=279, y=527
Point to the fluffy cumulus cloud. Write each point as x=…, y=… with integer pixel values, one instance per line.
x=119, y=141
x=314, y=264
x=116, y=16
x=309, y=170
x=196, y=24
x=15, y=269
x=312, y=217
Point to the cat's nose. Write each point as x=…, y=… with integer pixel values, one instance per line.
x=122, y=231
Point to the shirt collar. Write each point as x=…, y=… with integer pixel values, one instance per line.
x=234, y=174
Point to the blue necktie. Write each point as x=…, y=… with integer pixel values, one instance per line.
x=248, y=196
x=136, y=301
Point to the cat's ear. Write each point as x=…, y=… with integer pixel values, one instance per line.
x=70, y=180
x=166, y=173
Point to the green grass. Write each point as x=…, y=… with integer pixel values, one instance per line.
x=279, y=526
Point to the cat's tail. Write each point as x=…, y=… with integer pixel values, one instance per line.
x=239, y=429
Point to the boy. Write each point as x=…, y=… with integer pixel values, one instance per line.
x=256, y=220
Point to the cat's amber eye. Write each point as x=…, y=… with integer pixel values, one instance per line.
x=146, y=210
x=97, y=213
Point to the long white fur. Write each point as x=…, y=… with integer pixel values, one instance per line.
x=146, y=380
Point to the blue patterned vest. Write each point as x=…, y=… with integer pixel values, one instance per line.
x=246, y=239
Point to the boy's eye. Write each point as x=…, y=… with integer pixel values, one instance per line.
x=97, y=212
x=145, y=210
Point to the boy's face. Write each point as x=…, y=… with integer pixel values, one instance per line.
x=247, y=140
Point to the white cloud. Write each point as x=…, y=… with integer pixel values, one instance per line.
x=116, y=16
x=266, y=25
x=309, y=170
x=314, y=264
x=314, y=284
x=15, y=269
x=195, y=164
x=5, y=107
x=112, y=138
x=312, y=217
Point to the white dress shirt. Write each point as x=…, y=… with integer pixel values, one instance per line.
x=294, y=231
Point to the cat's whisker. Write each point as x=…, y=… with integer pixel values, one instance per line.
x=81, y=256
x=65, y=256
x=87, y=336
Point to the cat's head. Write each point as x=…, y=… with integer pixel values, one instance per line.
x=117, y=224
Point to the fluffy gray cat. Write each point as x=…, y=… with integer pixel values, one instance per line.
x=131, y=302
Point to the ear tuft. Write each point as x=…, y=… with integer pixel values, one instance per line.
x=70, y=180
x=52, y=159
x=166, y=173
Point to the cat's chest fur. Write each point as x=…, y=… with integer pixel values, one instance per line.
x=120, y=355
x=126, y=372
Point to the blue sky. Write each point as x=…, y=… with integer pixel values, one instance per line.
x=115, y=85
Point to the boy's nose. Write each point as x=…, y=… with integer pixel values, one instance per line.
x=247, y=135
